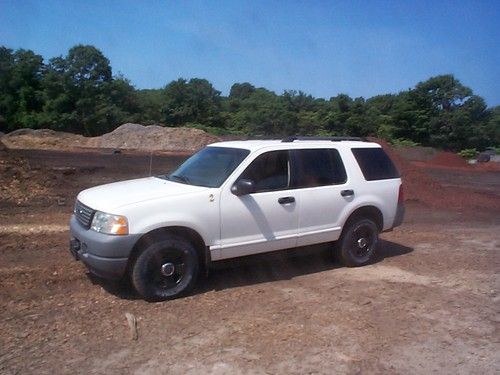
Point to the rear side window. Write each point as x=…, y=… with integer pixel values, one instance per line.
x=318, y=167
x=375, y=164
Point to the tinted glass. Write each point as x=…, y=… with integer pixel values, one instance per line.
x=375, y=164
x=270, y=171
x=209, y=167
x=319, y=167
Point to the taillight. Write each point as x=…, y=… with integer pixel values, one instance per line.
x=401, y=195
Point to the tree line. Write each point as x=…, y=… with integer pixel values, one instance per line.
x=78, y=93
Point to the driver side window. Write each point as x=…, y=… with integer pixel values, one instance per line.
x=269, y=172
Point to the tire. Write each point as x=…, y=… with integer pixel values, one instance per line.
x=358, y=243
x=166, y=269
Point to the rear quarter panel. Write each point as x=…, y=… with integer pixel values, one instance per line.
x=382, y=194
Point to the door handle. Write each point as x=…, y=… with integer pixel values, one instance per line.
x=286, y=200
x=347, y=193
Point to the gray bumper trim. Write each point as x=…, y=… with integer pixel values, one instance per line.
x=108, y=268
x=105, y=255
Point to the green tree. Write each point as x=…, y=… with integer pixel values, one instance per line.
x=82, y=95
x=452, y=114
x=241, y=91
x=487, y=132
x=493, y=126
x=263, y=113
x=339, y=108
x=21, y=96
x=193, y=101
x=151, y=106
x=7, y=99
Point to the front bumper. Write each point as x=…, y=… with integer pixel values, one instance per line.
x=104, y=255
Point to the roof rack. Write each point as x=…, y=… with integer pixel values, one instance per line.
x=331, y=139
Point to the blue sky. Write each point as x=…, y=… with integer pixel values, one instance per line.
x=361, y=48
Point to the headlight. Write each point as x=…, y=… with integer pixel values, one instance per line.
x=109, y=224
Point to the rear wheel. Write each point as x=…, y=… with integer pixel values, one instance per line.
x=165, y=269
x=358, y=243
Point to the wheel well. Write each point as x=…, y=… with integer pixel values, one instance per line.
x=155, y=235
x=367, y=212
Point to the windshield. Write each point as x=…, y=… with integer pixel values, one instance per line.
x=209, y=167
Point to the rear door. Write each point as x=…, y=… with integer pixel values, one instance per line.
x=324, y=191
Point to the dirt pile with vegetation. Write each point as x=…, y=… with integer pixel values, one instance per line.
x=128, y=136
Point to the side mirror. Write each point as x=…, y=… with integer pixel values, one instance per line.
x=243, y=187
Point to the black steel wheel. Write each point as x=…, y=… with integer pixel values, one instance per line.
x=165, y=269
x=358, y=243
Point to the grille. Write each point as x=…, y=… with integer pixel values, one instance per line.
x=83, y=214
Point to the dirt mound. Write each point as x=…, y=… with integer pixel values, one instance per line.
x=448, y=159
x=155, y=138
x=20, y=183
x=420, y=187
x=127, y=136
x=44, y=139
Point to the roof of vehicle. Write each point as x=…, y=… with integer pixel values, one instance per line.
x=289, y=143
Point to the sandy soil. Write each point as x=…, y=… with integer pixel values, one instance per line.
x=430, y=304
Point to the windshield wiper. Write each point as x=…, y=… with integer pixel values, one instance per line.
x=181, y=178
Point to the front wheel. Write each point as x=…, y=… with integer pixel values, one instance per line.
x=358, y=243
x=165, y=269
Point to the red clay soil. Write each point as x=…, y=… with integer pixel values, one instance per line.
x=420, y=187
x=489, y=166
x=477, y=167
x=448, y=159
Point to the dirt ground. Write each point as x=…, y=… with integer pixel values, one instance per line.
x=430, y=304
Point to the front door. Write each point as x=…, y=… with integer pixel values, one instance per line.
x=267, y=218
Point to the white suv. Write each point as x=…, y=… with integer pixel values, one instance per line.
x=238, y=198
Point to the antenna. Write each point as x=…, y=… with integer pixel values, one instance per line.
x=150, y=162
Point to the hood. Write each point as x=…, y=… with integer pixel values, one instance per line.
x=118, y=194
